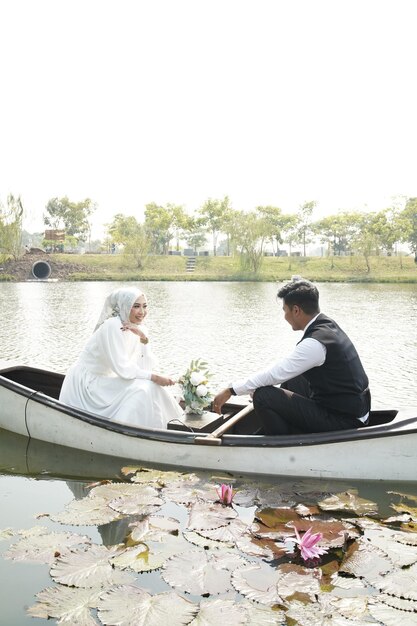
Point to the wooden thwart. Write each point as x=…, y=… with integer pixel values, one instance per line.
x=214, y=438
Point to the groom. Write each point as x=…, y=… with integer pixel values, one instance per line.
x=323, y=385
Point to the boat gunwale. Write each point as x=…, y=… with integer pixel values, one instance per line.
x=390, y=429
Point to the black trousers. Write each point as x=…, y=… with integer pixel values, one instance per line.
x=289, y=410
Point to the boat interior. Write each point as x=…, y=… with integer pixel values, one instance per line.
x=50, y=383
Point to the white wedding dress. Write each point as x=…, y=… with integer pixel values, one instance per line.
x=112, y=379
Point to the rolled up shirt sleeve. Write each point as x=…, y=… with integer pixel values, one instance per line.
x=307, y=354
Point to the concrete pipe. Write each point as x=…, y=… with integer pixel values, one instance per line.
x=41, y=270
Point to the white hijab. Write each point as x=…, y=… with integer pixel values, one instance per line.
x=119, y=303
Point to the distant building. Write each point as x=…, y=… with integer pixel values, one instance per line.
x=55, y=240
x=55, y=235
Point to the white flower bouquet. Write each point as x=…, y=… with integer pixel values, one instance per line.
x=195, y=389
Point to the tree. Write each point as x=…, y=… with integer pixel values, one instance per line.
x=159, y=225
x=275, y=220
x=132, y=235
x=194, y=233
x=290, y=233
x=61, y=213
x=387, y=229
x=11, y=218
x=250, y=233
x=179, y=221
x=305, y=212
x=215, y=214
x=365, y=241
x=408, y=221
x=334, y=230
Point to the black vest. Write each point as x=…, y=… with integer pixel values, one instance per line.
x=340, y=383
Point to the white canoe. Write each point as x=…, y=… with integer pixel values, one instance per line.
x=384, y=450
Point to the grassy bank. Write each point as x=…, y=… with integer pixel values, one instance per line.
x=335, y=269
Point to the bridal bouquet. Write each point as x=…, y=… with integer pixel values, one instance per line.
x=194, y=385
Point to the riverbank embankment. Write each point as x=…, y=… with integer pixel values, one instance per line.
x=119, y=267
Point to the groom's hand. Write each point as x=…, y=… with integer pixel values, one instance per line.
x=220, y=399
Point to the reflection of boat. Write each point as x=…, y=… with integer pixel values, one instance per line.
x=30, y=457
x=386, y=449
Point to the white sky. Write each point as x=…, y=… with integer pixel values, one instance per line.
x=268, y=101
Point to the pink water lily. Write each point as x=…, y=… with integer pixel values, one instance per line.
x=307, y=544
x=225, y=493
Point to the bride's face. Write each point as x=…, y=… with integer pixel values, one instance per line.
x=138, y=311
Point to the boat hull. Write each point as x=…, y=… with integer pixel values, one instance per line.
x=387, y=452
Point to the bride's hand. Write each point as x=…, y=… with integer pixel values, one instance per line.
x=135, y=330
x=163, y=381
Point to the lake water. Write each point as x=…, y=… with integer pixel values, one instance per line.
x=235, y=327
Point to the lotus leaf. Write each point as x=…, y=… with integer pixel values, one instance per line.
x=219, y=611
x=128, y=605
x=348, y=501
x=87, y=512
x=390, y=615
x=69, y=606
x=205, y=516
x=141, y=502
x=158, y=552
x=44, y=548
x=88, y=568
x=200, y=572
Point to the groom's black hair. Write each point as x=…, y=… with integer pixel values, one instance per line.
x=302, y=293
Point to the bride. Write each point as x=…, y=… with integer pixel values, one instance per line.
x=114, y=375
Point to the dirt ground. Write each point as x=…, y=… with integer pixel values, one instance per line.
x=21, y=270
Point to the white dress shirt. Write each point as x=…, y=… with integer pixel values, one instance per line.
x=306, y=355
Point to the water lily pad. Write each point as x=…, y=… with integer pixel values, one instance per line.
x=263, y=615
x=405, y=508
x=281, y=524
x=128, y=605
x=88, y=568
x=277, y=518
x=268, y=585
x=393, y=544
x=228, y=533
x=140, y=502
x=87, y=512
x=6, y=533
x=262, y=497
x=69, y=606
x=307, y=510
x=348, y=501
x=206, y=516
x=384, y=610
x=153, y=528
x=367, y=562
x=129, y=556
x=110, y=491
x=407, y=496
x=145, y=475
x=401, y=583
x=344, y=586
x=188, y=492
x=200, y=572
x=202, y=542
x=258, y=582
x=44, y=548
x=220, y=611
x=325, y=612
x=158, y=552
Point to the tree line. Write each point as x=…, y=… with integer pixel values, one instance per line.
x=246, y=233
